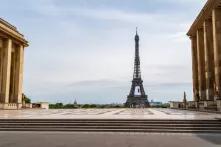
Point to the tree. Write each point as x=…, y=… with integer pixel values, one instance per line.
x=56, y=106
x=26, y=99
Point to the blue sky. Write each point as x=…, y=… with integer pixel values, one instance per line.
x=84, y=49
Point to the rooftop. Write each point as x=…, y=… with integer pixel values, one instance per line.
x=8, y=24
x=9, y=29
x=204, y=14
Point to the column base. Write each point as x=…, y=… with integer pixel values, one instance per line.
x=209, y=94
x=203, y=95
x=10, y=106
x=208, y=105
x=191, y=105
x=218, y=102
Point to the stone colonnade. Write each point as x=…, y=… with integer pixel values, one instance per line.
x=206, y=58
x=205, y=35
x=11, y=66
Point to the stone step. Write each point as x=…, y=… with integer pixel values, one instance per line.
x=116, y=127
x=180, y=126
x=25, y=119
x=117, y=121
x=106, y=124
x=112, y=130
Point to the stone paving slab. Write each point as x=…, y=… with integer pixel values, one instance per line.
x=149, y=113
x=77, y=139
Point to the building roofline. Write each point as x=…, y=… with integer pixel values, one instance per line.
x=8, y=24
x=204, y=14
x=12, y=31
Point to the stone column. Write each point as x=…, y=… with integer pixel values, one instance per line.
x=201, y=64
x=6, y=70
x=218, y=102
x=195, y=68
x=1, y=68
x=12, y=97
x=216, y=18
x=1, y=64
x=209, y=59
x=19, y=73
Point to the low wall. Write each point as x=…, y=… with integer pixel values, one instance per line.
x=218, y=105
x=176, y=105
x=10, y=106
x=209, y=106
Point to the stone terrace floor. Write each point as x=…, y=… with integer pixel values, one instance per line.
x=149, y=113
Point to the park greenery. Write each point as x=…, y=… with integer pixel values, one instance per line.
x=84, y=106
x=26, y=99
x=97, y=106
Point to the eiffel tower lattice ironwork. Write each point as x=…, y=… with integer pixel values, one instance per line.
x=137, y=96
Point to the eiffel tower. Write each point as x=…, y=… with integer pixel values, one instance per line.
x=137, y=97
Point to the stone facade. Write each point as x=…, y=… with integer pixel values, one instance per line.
x=12, y=45
x=40, y=105
x=205, y=36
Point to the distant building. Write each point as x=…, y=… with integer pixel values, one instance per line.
x=40, y=105
x=155, y=104
x=179, y=105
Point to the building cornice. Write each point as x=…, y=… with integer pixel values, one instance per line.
x=12, y=31
x=204, y=14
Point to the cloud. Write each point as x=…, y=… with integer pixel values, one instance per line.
x=85, y=48
x=97, y=83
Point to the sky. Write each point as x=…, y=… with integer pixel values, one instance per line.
x=84, y=49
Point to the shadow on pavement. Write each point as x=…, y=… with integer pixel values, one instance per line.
x=212, y=138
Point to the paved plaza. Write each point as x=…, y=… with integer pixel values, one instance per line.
x=149, y=113
x=65, y=139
